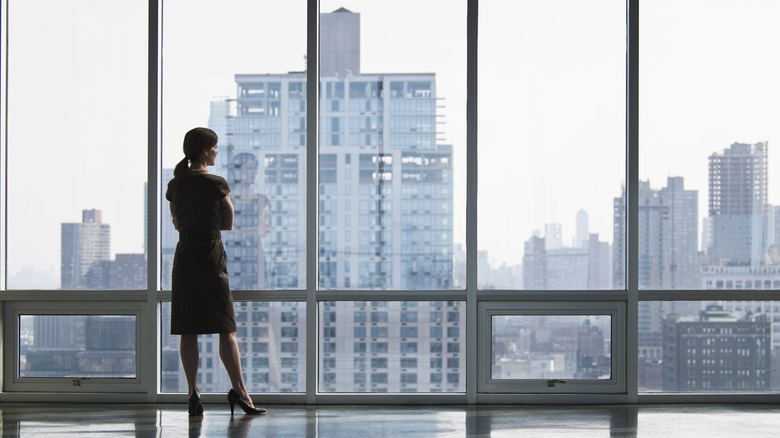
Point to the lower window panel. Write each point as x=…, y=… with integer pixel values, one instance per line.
x=551, y=347
x=77, y=346
x=271, y=341
x=709, y=347
x=392, y=346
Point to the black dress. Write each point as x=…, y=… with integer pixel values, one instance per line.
x=201, y=301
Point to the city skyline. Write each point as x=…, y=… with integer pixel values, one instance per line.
x=741, y=127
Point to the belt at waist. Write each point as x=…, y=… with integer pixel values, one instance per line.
x=199, y=235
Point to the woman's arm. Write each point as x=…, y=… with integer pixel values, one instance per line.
x=227, y=213
x=173, y=216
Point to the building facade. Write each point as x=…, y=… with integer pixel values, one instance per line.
x=738, y=203
x=717, y=352
x=83, y=246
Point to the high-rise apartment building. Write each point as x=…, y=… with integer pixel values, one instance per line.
x=83, y=246
x=668, y=236
x=738, y=203
x=385, y=216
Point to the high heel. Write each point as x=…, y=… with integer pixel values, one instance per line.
x=196, y=407
x=233, y=398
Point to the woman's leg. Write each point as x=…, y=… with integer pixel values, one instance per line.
x=188, y=350
x=228, y=352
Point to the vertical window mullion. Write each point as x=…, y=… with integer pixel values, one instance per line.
x=471, y=202
x=632, y=195
x=149, y=327
x=312, y=195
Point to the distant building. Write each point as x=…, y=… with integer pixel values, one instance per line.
x=91, y=346
x=555, y=267
x=668, y=237
x=84, y=245
x=738, y=206
x=717, y=352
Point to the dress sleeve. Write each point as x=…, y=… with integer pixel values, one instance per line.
x=222, y=188
x=169, y=194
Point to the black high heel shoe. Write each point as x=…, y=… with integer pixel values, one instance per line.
x=233, y=398
x=196, y=407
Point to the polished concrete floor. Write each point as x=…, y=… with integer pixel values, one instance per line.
x=165, y=420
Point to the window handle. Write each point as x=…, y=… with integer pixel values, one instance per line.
x=551, y=383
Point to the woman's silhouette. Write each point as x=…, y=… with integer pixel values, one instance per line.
x=201, y=300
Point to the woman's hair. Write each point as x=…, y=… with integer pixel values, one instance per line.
x=196, y=140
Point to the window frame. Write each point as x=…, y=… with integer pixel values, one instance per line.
x=13, y=382
x=616, y=310
x=145, y=305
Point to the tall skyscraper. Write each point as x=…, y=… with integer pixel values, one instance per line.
x=668, y=236
x=385, y=222
x=83, y=246
x=738, y=205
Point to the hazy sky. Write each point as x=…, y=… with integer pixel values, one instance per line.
x=551, y=100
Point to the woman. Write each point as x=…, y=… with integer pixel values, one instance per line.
x=202, y=302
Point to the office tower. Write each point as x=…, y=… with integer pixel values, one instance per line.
x=83, y=246
x=717, y=352
x=738, y=182
x=535, y=264
x=668, y=234
x=582, y=236
x=599, y=263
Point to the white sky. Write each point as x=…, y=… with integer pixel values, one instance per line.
x=551, y=100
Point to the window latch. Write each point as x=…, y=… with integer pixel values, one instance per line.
x=551, y=383
x=77, y=381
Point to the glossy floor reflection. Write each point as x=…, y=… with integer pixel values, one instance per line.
x=164, y=420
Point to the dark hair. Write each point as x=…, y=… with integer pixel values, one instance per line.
x=195, y=141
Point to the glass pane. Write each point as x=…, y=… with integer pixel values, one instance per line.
x=392, y=145
x=552, y=139
x=709, y=95
x=709, y=346
x=392, y=346
x=75, y=199
x=272, y=343
x=215, y=74
x=94, y=346
x=552, y=347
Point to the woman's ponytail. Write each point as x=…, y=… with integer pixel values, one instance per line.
x=180, y=171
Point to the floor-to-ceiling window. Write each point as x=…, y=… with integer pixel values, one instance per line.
x=708, y=215
x=74, y=191
x=431, y=212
